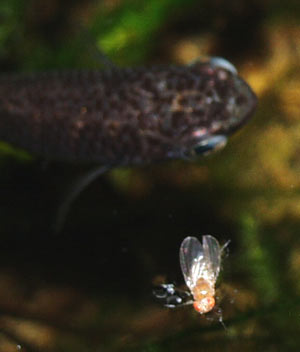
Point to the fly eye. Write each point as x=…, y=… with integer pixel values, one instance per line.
x=220, y=62
x=210, y=144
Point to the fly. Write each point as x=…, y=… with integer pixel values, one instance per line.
x=200, y=265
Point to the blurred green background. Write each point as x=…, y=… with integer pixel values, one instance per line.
x=89, y=288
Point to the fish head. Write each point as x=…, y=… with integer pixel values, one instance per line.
x=213, y=102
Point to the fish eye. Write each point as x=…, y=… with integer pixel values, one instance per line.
x=223, y=63
x=210, y=144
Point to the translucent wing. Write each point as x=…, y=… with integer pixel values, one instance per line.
x=212, y=256
x=191, y=260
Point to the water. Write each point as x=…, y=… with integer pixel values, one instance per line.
x=90, y=287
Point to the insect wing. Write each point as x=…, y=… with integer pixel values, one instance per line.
x=191, y=260
x=212, y=256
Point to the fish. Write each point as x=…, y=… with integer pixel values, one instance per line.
x=125, y=116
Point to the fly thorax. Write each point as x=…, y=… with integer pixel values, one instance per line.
x=202, y=290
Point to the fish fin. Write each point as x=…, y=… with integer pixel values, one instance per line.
x=75, y=189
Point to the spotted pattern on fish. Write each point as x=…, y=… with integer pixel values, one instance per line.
x=123, y=116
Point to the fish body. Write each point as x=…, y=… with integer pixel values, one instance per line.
x=124, y=116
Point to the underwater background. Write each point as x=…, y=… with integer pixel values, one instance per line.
x=89, y=288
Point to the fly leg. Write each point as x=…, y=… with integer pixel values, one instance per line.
x=225, y=248
x=179, y=304
x=172, y=297
x=220, y=316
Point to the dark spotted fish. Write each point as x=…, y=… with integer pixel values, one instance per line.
x=125, y=116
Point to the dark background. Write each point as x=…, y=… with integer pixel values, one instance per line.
x=89, y=287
